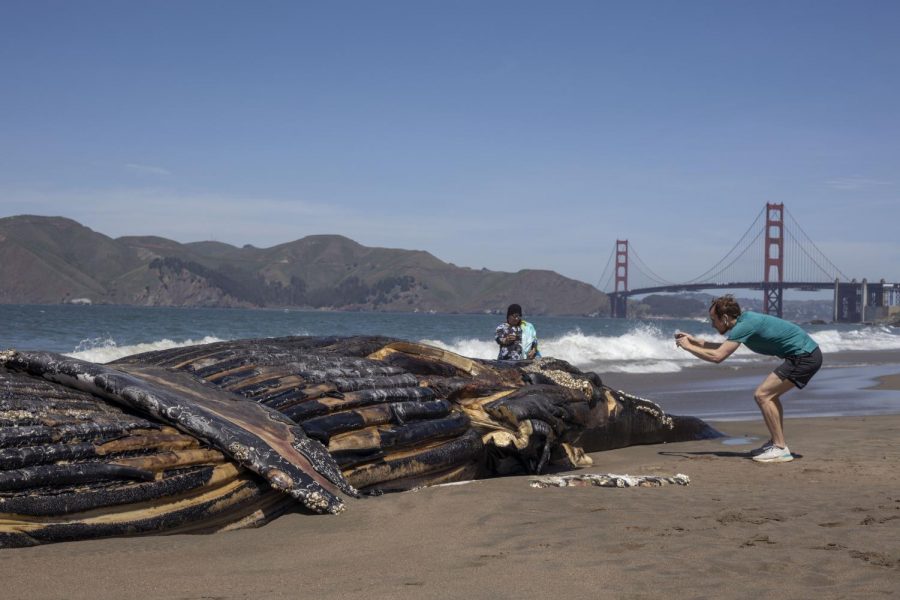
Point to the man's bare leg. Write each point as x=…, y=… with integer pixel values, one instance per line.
x=780, y=408
x=768, y=398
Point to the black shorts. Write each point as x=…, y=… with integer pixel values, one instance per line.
x=800, y=369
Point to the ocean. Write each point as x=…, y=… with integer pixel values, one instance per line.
x=100, y=333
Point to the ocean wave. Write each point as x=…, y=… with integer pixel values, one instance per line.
x=104, y=350
x=648, y=349
x=644, y=349
x=865, y=338
x=473, y=348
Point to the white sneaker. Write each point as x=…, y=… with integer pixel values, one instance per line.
x=774, y=454
x=761, y=449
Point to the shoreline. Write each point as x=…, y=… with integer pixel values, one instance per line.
x=888, y=382
x=826, y=525
x=849, y=383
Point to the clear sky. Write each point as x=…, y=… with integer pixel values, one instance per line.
x=499, y=134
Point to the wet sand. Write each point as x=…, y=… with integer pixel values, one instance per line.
x=826, y=525
x=849, y=384
x=889, y=382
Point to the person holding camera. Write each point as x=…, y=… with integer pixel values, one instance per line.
x=764, y=334
x=509, y=334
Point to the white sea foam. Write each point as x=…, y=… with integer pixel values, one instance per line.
x=467, y=347
x=100, y=350
x=865, y=338
x=643, y=349
x=648, y=349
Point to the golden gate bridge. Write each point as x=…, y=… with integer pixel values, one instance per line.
x=773, y=255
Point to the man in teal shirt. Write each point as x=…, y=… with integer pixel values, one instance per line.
x=764, y=334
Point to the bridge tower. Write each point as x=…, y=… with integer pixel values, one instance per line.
x=618, y=305
x=773, y=283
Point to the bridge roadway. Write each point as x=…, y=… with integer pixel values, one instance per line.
x=807, y=286
x=852, y=300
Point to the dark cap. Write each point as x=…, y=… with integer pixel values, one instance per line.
x=514, y=309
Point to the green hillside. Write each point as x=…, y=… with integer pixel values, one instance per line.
x=55, y=260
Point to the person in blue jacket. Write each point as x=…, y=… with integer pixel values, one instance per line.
x=530, y=348
x=764, y=334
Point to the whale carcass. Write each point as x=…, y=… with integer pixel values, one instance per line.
x=226, y=435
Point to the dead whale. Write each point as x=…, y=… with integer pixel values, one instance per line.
x=232, y=434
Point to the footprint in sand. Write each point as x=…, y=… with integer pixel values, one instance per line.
x=832, y=546
x=875, y=558
x=760, y=539
x=738, y=517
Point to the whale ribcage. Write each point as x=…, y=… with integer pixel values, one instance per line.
x=384, y=429
x=66, y=454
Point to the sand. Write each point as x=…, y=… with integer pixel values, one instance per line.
x=889, y=382
x=826, y=525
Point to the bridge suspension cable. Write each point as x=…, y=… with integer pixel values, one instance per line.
x=647, y=271
x=743, y=243
x=605, y=282
x=799, y=264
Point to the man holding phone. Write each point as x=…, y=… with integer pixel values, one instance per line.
x=764, y=334
x=509, y=334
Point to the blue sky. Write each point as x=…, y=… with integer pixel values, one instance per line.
x=506, y=135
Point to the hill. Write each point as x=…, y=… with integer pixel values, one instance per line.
x=47, y=260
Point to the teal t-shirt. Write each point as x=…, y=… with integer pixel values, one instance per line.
x=765, y=334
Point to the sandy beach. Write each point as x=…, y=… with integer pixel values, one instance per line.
x=826, y=525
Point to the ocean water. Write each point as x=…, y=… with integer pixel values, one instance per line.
x=617, y=349
x=105, y=333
